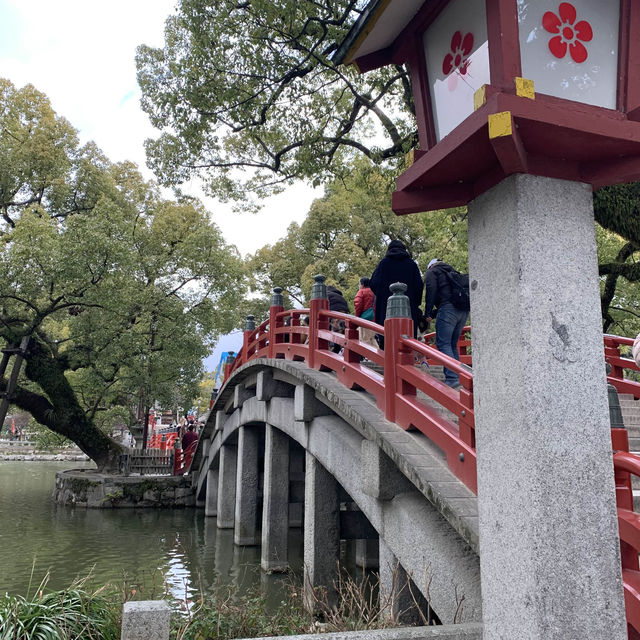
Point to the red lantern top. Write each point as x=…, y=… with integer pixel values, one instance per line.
x=502, y=86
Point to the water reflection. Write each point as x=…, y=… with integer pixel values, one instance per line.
x=148, y=551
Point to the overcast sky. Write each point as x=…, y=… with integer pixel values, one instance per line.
x=81, y=54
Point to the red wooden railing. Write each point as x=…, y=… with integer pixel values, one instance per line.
x=396, y=391
x=182, y=458
x=162, y=441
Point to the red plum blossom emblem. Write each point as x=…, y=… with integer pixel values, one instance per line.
x=570, y=34
x=458, y=57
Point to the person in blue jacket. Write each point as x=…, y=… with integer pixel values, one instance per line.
x=397, y=266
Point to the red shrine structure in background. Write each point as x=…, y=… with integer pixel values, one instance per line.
x=501, y=87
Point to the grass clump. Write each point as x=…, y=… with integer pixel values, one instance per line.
x=70, y=614
x=224, y=613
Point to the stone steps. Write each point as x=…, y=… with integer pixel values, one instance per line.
x=631, y=417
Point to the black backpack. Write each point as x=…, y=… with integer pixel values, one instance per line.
x=459, y=283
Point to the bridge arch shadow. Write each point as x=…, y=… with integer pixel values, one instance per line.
x=286, y=445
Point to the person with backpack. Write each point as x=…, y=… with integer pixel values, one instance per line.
x=448, y=291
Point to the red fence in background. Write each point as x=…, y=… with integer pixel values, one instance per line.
x=162, y=441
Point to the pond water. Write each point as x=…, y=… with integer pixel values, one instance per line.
x=147, y=550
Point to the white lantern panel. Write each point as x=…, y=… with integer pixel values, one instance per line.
x=570, y=49
x=457, y=55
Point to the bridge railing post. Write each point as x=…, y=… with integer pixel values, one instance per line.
x=319, y=302
x=611, y=354
x=177, y=457
x=624, y=491
x=277, y=305
x=398, y=322
x=249, y=328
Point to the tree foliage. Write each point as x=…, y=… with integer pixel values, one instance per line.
x=617, y=211
x=119, y=289
x=347, y=232
x=251, y=85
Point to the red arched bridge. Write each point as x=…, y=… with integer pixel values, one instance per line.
x=371, y=445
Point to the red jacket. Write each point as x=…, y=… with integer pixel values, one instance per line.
x=364, y=300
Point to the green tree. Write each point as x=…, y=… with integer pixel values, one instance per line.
x=617, y=211
x=118, y=289
x=346, y=233
x=252, y=85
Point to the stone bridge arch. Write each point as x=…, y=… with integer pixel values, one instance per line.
x=397, y=481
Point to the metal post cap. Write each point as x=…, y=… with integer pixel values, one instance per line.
x=398, y=303
x=277, y=299
x=250, y=324
x=615, y=410
x=319, y=288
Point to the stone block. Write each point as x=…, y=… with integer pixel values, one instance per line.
x=307, y=406
x=267, y=387
x=151, y=495
x=379, y=476
x=146, y=620
x=471, y=631
x=240, y=394
x=221, y=418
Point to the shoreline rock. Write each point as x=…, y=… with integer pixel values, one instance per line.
x=44, y=457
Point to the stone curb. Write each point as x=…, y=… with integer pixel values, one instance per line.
x=446, y=632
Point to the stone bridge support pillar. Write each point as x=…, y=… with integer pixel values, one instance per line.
x=211, y=500
x=246, y=513
x=321, y=531
x=296, y=484
x=227, y=486
x=550, y=555
x=275, y=506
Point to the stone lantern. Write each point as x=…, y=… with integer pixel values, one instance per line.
x=523, y=108
x=510, y=86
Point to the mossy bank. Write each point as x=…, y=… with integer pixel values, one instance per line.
x=86, y=488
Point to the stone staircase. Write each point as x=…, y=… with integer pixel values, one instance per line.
x=631, y=417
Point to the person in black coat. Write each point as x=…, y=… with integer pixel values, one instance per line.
x=397, y=266
x=336, y=303
x=336, y=300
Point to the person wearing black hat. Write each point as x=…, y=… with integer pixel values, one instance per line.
x=396, y=266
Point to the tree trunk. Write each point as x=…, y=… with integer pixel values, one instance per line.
x=59, y=409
